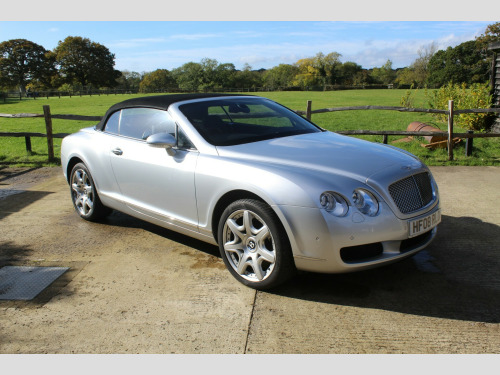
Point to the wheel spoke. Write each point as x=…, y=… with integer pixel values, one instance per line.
x=89, y=202
x=79, y=177
x=84, y=177
x=247, y=222
x=257, y=269
x=79, y=202
x=266, y=255
x=262, y=234
x=85, y=205
x=236, y=229
x=235, y=247
x=242, y=264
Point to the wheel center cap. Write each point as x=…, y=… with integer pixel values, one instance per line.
x=251, y=245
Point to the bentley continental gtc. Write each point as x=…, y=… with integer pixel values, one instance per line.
x=274, y=191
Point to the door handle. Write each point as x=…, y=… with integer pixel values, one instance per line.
x=117, y=151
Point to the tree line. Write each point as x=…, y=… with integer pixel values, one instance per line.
x=78, y=63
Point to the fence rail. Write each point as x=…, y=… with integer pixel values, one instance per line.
x=401, y=109
x=60, y=117
x=308, y=113
x=33, y=95
x=371, y=107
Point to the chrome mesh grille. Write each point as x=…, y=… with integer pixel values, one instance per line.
x=412, y=193
x=424, y=186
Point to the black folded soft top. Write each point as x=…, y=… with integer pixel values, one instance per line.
x=156, y=101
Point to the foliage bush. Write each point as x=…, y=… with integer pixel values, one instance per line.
x=65, y=87
x=475, y=96
x=408, y=99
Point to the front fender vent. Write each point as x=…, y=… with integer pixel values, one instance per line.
x=412, y=193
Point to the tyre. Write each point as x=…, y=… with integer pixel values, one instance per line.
x=84, y=194
x=254, y=245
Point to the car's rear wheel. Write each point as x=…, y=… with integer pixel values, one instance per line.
x=84, y=194
x=254, y=245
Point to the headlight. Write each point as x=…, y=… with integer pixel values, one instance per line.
x=333, y=203
x=365, y=202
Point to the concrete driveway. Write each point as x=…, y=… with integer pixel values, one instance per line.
x=133, y=287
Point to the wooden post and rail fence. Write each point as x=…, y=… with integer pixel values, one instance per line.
x=450, y=113
x=450, y=134
x=48, y=128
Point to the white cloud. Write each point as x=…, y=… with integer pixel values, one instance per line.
x=195, y=36
x=136, y=42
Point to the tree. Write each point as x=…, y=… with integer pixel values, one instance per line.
x=308, y=74
x=491, y=35
x=385, y=74
x=282, y=75
x=188, y=76
x=418, y=72
x=319, y=70
x=85, y=62
x=362, y=78
x=346, y=73
x=247, y=77
x=23, y=62
x=406, y=76
x=466, y=62
x=205, y=75
x=158, y=80
x=421, y=64
x=328, y=67
x=129, y=80
x=209, y=74
x=224, y=75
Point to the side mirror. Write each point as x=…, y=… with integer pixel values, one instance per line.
x=162, y=140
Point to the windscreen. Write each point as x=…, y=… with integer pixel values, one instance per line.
x=233, y=121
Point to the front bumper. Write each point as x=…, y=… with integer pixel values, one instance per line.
x=324, y=243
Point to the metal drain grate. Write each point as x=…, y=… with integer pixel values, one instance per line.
x=25, y=283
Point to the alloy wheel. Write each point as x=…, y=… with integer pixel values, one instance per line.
x=249, y=245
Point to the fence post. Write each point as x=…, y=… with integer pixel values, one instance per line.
x=450, y=130
x=468, y=144
x=48, y=126
x=27, y=140
x=308, y=110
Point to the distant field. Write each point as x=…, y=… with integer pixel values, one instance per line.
x=12, y=150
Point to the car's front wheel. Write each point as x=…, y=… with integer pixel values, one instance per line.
x=84, y=194
x=254, y=245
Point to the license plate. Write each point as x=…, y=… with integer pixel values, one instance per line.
x=424, y=224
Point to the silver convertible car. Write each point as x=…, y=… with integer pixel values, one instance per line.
x=275, y=192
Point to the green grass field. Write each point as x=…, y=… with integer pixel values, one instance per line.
x=13, y=152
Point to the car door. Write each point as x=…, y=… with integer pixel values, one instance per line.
x=150, y=181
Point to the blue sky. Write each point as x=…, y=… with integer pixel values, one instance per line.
x=148, y=45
